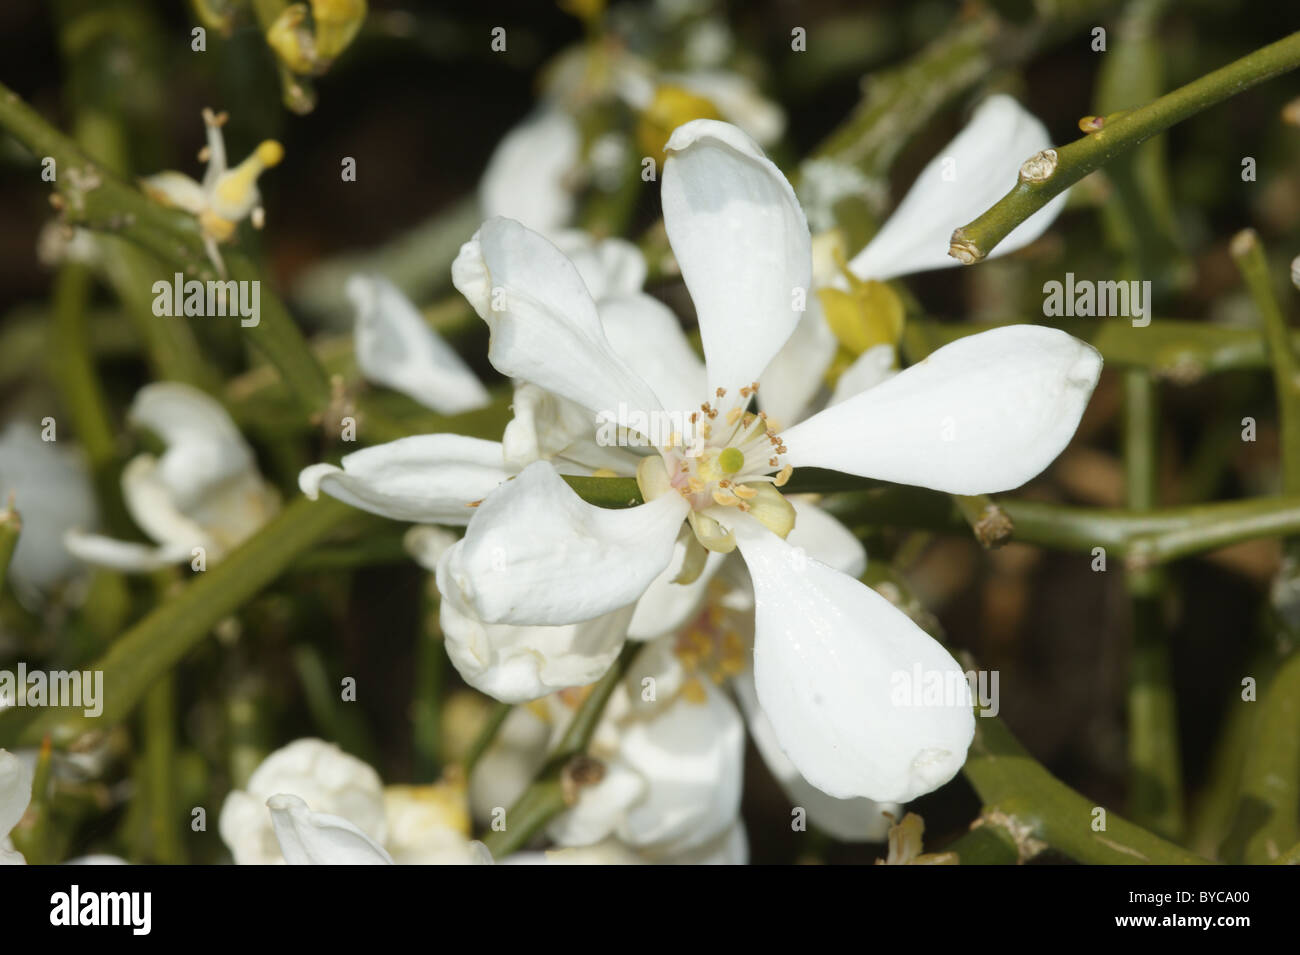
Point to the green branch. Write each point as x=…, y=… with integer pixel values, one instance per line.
x=1034, y=805
x=148, y=651
x=551, y=792
x=1051, y=172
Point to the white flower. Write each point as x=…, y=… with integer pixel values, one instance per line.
x=226, y=196
x=964, y=178
x=309, y=803
x=204, y=492
x=396, y=348
x=15, y=794
x=51, y=491
x=532, y=172
x=984, y=414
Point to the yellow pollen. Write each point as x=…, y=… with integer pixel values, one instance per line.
x=725, y=498
x=744, y=493
x=783, y=476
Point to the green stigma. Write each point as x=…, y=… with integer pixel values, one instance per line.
x=731, y=460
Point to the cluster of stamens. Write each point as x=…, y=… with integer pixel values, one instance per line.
x=726, y=459
x=709, y=648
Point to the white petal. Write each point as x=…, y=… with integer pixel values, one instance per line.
x=646, y=334
x=985, y=413
x=546, y=427
x=600, y=807
x=427, y=543
x=15, y=790
x=850, y=820
x=692, y=755
x=128, y=556
x=829, y=653
x=526, y=178
x=666, y=606
x=320, y=774
x=154, y=507
x=204, y=447
x=317, y=838
x=515, y=664
x=50, y=487
x=543, y=321
x=536, y=553
x=175, y=189
x=793, y=378
x=969, y=175
x=730, y=848
x=397, y=348
x=608, y=267
x=824, y=538
x=430, y=478
x=873, y=367
x=742, y=243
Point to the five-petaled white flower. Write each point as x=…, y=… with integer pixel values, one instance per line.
x=984, y=414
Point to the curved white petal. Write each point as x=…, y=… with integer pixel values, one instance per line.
x=665, y=606
x=395, y=347
x=873, y=367
x=742, y=243
x=175, y=189
x=824, y=538
x=429, y=478
x=321, y=775
x=204, y=447
x=15, y=790
x=600, y=807
x=829, y=657
x=426, y=543
x=318, y=838
x=646, y=334
x=154, y=507
x=543, y=321
x=849, y=820
x=547, y=427
x=609, y=267
x=515, y=664
x=794, y=376
x=51, y=490
x=535, y=553
x=985, y=413
x=969, y=175
x=692, y=756
x=129, y=556
x=527, y=177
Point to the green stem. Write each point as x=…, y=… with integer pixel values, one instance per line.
x=159, y=764
x=153, y=646
x=545, y=797
x=11, y=526
x=1155, y=767
x=1037, y=805
x=1061, y=168
x=987, y=519
x=483, y=741
x=1265, y=824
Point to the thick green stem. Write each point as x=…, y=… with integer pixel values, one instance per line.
x=1155, y=765
x=1265, y=824
x=154, y=645
x=1036, y=805
x=548, y=794
x=159, y=768
x=1054, y=171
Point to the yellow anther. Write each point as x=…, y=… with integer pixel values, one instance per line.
x=744, y=492
x=725, y=498
x=734, y=415
x=783, y=476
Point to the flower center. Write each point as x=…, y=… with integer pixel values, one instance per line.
x=725, y=460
